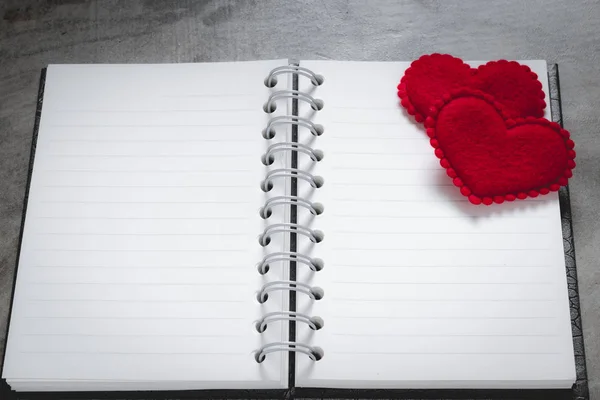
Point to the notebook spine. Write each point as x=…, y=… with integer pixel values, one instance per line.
x=273, y=177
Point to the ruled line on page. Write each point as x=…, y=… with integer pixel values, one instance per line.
x=133, y=125
x=386, y=138
x=141, y=234
x=339, y=122
x=439, y=233
x=389, y=184
x=152, y=171
x=95, y=126
x=136, y=318
x=375, y=153
x=152, y=186
x=203, y=284
x=427, y=200
x=144, y=335
x=440, y=318
x=398, y=249
x=209, y=140
x=103, y=353
x=478, y=353
x=347, y=136
x=212, y=156
x=133, y=301
x=361, y=108
x=438, y=335
x=372, y=138
x=365, y=282
x=155, y=111
x=341, y=265
x=143, y=202
x=228, y=250
x=224, y=334
x=415, y=300
x=228, y=267
x=209, y=95
x=469, y=217
x=387, y=169
x=70, y=217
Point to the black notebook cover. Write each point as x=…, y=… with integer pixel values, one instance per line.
x=578, y=392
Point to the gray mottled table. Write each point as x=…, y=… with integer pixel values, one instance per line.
x=34, y=33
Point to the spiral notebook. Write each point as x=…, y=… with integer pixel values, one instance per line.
x=274, y=228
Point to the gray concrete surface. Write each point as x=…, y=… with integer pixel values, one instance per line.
x=34, y=33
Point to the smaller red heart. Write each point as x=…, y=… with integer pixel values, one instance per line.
x=493, y=158
x=514, y=85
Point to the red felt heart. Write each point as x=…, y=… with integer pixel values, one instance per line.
x=493, y=158
x=514, y=85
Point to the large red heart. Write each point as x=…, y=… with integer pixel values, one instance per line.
x=493, y=158
x=514, y=85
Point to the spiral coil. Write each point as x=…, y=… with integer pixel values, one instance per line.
x=315, y=264
x=314, y=208
x=314, y=323
x=314, y=293
x=313, y=352
x=269, y=131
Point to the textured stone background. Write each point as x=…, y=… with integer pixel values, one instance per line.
x=34, y=33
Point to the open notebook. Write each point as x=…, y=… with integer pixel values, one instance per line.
x=267, y=225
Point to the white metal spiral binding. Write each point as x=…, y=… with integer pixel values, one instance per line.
x=315, y=264
x=271, y=80
x=314, y=235
x=270, y=106
x=315, y=323
x=314, y=293
x=314, y=208
x=313, y=352
x=268, y=158
x=314, y=180
x=269, y=131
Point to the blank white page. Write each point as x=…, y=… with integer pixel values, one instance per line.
x=137, y=268
x=423, y=289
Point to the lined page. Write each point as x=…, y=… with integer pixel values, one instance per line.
x=423, y=289
x=137, y=269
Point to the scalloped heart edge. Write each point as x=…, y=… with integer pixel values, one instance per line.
x=430, y=124
x=410, y=108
